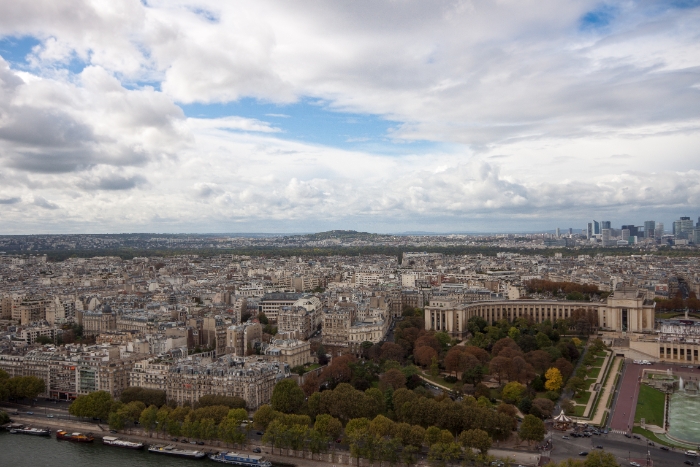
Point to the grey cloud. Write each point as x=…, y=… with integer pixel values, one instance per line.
x=44, y=203
x=10, y=200
x=118, y=182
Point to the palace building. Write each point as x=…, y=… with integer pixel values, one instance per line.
x=625, y=310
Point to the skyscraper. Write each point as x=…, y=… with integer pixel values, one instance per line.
x=589, y=231
x=596, y=228
x=605, y=225
x=659, y=231
x=606, y=238
x=649, y=228
x=558, y=233
x=683, y=228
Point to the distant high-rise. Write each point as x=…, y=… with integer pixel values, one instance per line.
x=659, y=230
x=558, y=232
x=649, y=228
x=683, y=228
x=596, y=228
x=634, y=230
x=589, y=231
x=571, y=231
x=606, y=238
x=625, y=234
x=605, y=225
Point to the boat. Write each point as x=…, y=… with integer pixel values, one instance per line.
x=75, y=437
x=173, y=451
x=31, y=431
x=120, y=443
x=236, y=458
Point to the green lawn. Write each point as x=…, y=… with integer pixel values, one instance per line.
x=579, y=409
x=584, y=398
x=438, y=380
x=598, y=362
x=650, y=406
x=593, y=373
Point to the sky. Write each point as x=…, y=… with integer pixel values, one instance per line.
x=373, y=115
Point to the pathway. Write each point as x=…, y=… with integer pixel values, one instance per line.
x=599, y=379
x=609, y=387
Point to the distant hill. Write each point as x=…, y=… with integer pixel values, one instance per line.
x=342, y=234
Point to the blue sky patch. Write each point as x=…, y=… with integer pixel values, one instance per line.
x=16, y=49
x=598, y=18
x=311, y=121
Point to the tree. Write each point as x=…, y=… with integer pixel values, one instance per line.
x=394, y=379
x=434, y=368
x=512, y=392
x=441, y=454
x=25, y=387
x=567, y=406
x=424, y=355
x=148, y=418
x=96, y=404
x=553, y=379
x=231, y=402
x=532, y=429
x=600, y=459
x=539, y=359
x=565, y=367
x=328, y=426
x=476, y=439
x=147, y=396
x=500, y=366
x=576, y=385
x=432, y=435
x=263, y=417
x=543, y=406
x=453, y=360
x=391, y=351
x=4, y=418
x=287, y=397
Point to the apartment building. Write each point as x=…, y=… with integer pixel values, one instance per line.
x=249, y=378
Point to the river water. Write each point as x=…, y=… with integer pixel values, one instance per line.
x=39, y=451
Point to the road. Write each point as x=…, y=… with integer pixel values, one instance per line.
x=624, y=449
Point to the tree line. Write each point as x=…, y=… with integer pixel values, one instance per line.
x=20, y=387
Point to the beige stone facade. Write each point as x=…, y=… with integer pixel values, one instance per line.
x=293, y=352
x=626, y=310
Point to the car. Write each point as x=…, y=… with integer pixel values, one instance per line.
x=583, y=453
x=339, y=440
x=627, y=435
x=636, y=437
x=113, y=431
x=173, y=439
x=688, y=462
x=635, y=464
x=183, y=440
x=651, y=443
x=599, y=447
x=564, y=437
x=30, y=413
x=15, y=413
x=49, y=416
x=257, y=450
x=200, y=443
x=260, y=433
x=194, y=442
x=663, y=448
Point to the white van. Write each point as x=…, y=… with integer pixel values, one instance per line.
x=691, y=453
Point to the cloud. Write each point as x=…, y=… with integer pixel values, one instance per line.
x=13, y=200
x=231, y=123
x=44, y=203
x=554, y=108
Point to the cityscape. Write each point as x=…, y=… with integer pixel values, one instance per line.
x=456, y=233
